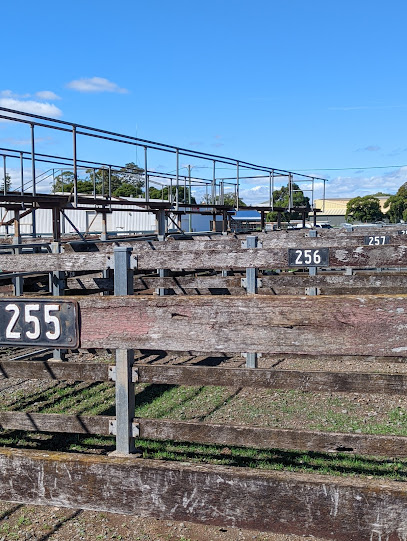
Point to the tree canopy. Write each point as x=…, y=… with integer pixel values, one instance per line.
x=281, y=199
x=363, y=209
x=229, y=199
x=162, y=193
x=8, y=183
x=397, y=205
x=125, y=182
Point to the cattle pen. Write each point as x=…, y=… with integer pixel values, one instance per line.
x=313, y=294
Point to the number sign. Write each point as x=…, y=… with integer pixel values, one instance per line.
x=308, y=258
x=39, y=323
x=377, y=240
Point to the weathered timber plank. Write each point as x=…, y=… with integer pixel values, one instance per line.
x=325, y=506
x=177, y=260
x=219, y=434
x=86, y=283
x=316, y=381
x=66, y=371
x=53, y=262
x=283, y=284
x=273, y=438
x=54, y=422
x=342, y=325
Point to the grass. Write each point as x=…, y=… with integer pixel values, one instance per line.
x=214, y=404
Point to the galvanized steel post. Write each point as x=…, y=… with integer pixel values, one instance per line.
x=57, y=279
x=125, y=392
x=251, y=284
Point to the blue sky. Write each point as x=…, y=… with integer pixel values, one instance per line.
x=311, y=86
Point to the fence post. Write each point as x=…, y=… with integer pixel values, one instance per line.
x=251, y=283
x=161, y=231
x=57, y=279
x=125, y=392
x=18, y=280
x=312, y=271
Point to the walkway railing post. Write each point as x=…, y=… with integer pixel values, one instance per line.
x=125, y=392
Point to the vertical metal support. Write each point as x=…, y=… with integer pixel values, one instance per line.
x=22, y=172
x=110, y=182
x=237, y=186
x=146, y=179
x=312, y=271
x=263, y=220
x=4, y=175
x=251, y=289
x=189, y=199
x=314, y=222
x=34, y=229
x=18, y=280
x=177, y=180
x=94, y=183
x=103, y=236
x=125, y=392
x=160, y=222
x=251, y=273
x=75, y=167
x=57, y=279
x=56, y=224
x=270, y=191
x=213, y=196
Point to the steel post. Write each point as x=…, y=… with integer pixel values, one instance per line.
x=75, y=167
x=125, y=392
x=4, y=176
x=57, y=279
x=18, y=280
x=251, y=289
x=34, y=229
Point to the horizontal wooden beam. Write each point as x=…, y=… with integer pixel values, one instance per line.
x=320, y=505
x=316, y=381
x=342, y=325
x=66, y=371
x=55, y=422
x=220, y=259
x=256, y=437
x=273, y=438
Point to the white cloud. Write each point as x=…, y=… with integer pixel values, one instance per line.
x=11, y=94
x=96, y=84
x=31, y=106
x=47, y=95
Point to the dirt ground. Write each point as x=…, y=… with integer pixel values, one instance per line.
x=35, y=523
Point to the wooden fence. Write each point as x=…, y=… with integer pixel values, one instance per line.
x=367, y=326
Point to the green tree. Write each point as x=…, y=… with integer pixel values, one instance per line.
x=124, y=182
x=281, y=199
x=363, y=209
x=397, y=205
x=162, y=193
x=229, y=199
x=8, y=184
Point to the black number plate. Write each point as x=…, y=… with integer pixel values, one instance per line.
x=39, y=323
x=308, y=258
x=377, y=240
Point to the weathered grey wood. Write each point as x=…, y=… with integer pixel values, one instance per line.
x=354, y=382
x=66, y=371
x=53, y=422
x=279, y=284
x=273, y=438
x=86, y=283
x=53, y=262
x=219, y=434
x=342, y=325
x=320, y=505
x=177, y=260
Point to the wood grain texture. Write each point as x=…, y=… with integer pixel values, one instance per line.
x=219, y=259
x=319, y=505
x=55, y=370
x=342, y=325
x=54, y=422
x=273, y=438
x=316, y=381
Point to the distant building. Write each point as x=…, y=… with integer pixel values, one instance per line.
x=333, y=210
